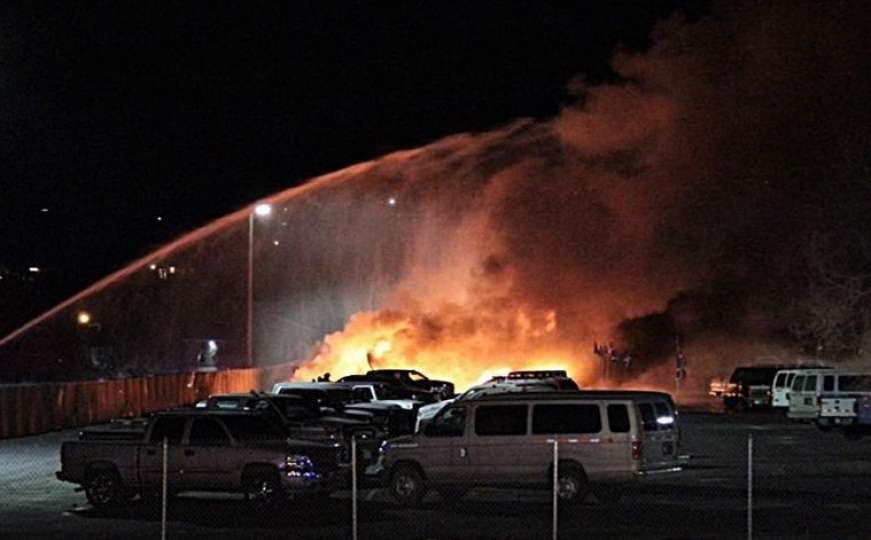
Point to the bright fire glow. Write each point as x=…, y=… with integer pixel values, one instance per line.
x=464, y=346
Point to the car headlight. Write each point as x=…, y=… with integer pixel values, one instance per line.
x=382, y=449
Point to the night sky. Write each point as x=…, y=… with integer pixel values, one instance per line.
x=127, y=124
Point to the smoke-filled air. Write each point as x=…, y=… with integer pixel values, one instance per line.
x=686, y=205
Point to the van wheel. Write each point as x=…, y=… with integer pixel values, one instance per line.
x=407, y=485
x=572, y=484
x=104, y=489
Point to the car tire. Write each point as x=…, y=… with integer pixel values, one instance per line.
x=407, y=485
x=573, y=486
x=104, y=489
x=262, y=490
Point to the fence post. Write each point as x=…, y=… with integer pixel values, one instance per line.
x=555, y=489
x=354, y=487
x=164, y=490
x=750, y=487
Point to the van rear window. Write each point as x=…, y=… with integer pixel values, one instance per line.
x=648, y=417
x=854, y=383
x=500, y=420
x=566, y=419
x=618, y=419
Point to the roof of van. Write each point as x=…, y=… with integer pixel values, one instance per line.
x=579, y=394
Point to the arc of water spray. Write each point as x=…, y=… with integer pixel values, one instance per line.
x=336, y=177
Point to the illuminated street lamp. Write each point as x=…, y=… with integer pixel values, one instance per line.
x=83, y=318
x=261, y=210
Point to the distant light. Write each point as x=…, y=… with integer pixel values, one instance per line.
x=159, y=218
x=83, y=318
x=213, y=346
x=152, y=267
x=275, y=242
x=44, y=210
x=34, y=270
x=172, y=269
x=391, y=201
x=665, y=420
x=262, y=210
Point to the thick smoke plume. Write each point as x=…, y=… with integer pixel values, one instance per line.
x=676, y=205
x=670, y=203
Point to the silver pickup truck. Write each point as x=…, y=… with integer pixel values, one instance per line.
x=220, y=451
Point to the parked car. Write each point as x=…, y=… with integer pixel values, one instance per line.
x=422, y=387
x=225, y=451
x=304, y=420
x=845, y=401
x=804, y=394
x=749, y=387
x=341, y=398
x=606, y=438
x=782, y=384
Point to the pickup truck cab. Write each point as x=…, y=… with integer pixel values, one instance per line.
x=223, y=451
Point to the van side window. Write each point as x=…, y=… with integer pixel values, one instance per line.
x=618, y=419
x=648, y=418
x=810, y=383
x=566, y=419
x=829, y=383
x=451, y=423
x=500, y=420
x=798, y=383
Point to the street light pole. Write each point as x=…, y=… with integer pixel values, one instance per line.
x=250, y=322
x=262, y=210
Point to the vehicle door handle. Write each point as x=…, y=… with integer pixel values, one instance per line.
x=151, y=452
x=188, y=452
x=464, y=452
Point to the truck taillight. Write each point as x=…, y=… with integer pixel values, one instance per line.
x=636, y=450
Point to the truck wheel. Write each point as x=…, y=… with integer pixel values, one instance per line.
x=407, y=485
x=262, y=489
x=104, y=489
x=572, y=484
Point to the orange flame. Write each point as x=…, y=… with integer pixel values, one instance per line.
x=466, y=346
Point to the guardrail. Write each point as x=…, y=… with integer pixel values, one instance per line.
x=30, y=409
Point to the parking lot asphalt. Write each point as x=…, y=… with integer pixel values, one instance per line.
x=807, y=484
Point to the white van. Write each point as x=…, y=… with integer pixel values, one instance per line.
x=783, y=383
x=804, y=394
x=845, y=400
x=605, y=437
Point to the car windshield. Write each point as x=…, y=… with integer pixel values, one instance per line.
x=416, y=376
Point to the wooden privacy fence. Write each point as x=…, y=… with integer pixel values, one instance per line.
x=29, y=409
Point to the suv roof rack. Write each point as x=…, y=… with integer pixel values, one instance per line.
x=570, y=395
x=538, y=374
